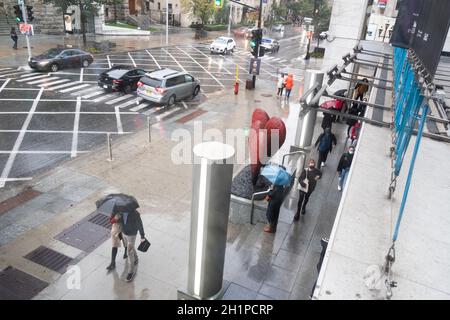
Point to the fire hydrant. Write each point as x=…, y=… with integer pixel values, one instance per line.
x=236, y=87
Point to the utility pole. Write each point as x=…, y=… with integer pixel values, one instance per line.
x=258, y=42
x=24, y=15
x=307, y=56
x=167, y=22
x=229, y=21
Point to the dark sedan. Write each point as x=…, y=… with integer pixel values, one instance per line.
x=56, y=59
x=121, y=78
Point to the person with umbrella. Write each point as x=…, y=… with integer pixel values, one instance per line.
x=280, y=178
x=131, y=224
x=307, y=183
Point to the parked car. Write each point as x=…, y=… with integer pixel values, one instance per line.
x=222, y=45
x=59, y=58
x=166, y=86
x=270, y=44
x=278, y=28
x=121, y=78
x=240, y=32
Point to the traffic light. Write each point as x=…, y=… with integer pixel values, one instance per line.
x=30, y=13
x=218, y=4
x=18, y=13
x=255, y=42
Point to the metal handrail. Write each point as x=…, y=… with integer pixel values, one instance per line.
x=295, y=152
x=253, y=202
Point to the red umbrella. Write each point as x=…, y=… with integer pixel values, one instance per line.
x=333, y=104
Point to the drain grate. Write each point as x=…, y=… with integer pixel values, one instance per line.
x=101, y=220
x=49, y=258
x=85, y=235
x=18, y=285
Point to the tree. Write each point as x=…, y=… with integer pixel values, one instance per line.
x=201, y=9
x=222, y=15
x=88, y=8
x=114, y=3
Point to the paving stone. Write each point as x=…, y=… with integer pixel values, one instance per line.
x=280, y=278
x=58, y=206
x=288, y=260
x=275, y=293
x=300, y=293
x=236, y=292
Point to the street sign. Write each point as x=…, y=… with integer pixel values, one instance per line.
x=255, y=64
x=26, y=29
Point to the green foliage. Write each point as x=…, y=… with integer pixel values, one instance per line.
x=216, y=27
x=201, y=9
x=222, y=15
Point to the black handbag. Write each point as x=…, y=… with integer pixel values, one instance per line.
x=143, y=246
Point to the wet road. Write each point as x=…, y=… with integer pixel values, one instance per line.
x=46, y=118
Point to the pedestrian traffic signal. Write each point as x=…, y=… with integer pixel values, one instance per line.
x=255, y=41
x=30, y=13
x=218, y=3
x=18, y=13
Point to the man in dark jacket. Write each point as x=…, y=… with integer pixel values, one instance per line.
x=131, y=224
x=328, y=120
x=324, y=145
x=311, y=174
x=275, y=198
x=14, y=37
x=344, y=166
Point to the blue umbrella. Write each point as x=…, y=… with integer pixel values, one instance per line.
x=276, y=175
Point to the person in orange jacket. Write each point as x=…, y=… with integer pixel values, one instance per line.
x=288, y=84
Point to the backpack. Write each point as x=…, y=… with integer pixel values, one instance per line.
x=325, y=143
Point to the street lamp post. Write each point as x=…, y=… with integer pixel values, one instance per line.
x=258, y=43
x=229, y=21
x=167, y=22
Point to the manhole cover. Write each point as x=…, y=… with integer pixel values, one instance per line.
x=18, y=285
x=49, y=258
x=101, y=220
x=267, y=95
x=84, y=235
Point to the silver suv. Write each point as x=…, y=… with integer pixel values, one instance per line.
x=166, y=86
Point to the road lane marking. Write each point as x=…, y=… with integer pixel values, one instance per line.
x=164, y=115
x=42, y=80
x=53, y=83
x=107, y=96
x=65, y=85
x=124, y=97
x=74, y=88
x=128, y=103
x=159, y=67
x=16, y=179
x=174, y=59
x=139, y=107
x=212, y=76
x=11, y=74
x=212, y=60
x=184, y=105
x=109, y=61
x=134, y=63
x=81, y=74
x=4, y=84
x=96, y=93
x=19, y=140
x=32, y=78
x=76, y=123
x=84, y=91
x=119, y=122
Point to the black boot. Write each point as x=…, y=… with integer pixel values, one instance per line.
x=112, y=266
x=125, y=255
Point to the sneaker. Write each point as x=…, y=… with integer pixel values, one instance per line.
x=130, y=277
x=268, y=228
x=112, y=266
x=323, y=164
x=296, y=217
x=125, y=256
x=303, y=212
x=339, y=188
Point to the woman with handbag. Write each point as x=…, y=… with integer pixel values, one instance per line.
x=275, y=198
x=306, y=185
x=116, y=238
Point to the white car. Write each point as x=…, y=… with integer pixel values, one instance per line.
x=278, y=28
x=222, y=45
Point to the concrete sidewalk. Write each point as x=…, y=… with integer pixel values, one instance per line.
x=258, y=265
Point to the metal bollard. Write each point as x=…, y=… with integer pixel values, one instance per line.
x=109, y=146
x=149, y=129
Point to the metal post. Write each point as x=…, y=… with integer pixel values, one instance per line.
x=149, y=129
x=167, y=22
x=212, y=176
x=24, y=13
x=258, y=43
x=229, y=21
x=108, y=138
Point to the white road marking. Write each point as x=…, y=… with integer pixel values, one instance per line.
x=184, y=104
x=134, y=63
x=159, y=67
x=84, y=91
x=16, y=179
x=74, y=88
x=119, y=122
x=76, y=123
x=127, y=96
x=96, y=93
x=174, y=59
x=109, y=62
x=128, y=103
x=213, y=60
x=164, y=115
x=139, y=107
x=34, y=77
x=65, y=85
x=42, y=80
x=81, y=75
x=4, y=84
x=108, y=96
x=11, y=74
x=5, y=69
x=63, y=131
x=18, y=143
x=54, y=82
x=201, y=66
x=32, y=74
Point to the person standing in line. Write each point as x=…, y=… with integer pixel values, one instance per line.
x=361, y=89
x=307, y=183
x=354, y=110
x=289, y=84
x=14, y=37
x=116, y=238
x=354, y=133
x=344, y=166
x=131, y=223
x=324, y=145
x=328, y=120
x=280, y=85
x=275, y=198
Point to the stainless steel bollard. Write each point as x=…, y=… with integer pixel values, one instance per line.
x=212, y=176
x=108, y=138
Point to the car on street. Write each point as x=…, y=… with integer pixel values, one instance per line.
x=58, y=58
x=323, y=35
x=121, y=78
x=278, y=28
x=270, y=44
x=222, y=45
x=240, y=32
x=166, y=86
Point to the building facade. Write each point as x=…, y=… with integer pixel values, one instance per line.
x=382, y=19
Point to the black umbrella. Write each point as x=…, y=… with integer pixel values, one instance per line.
x=117, y=203
x=341, y=93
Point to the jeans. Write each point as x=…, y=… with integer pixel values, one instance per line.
x=343, y=177
x=132, y=254
x=302, y=201
x=288, y=93
x=280, y=91
x=322, y=158
x=15, y=43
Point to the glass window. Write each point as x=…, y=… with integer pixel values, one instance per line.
x=188, y=78
x=152, y=82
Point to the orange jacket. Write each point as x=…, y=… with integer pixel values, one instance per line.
x=289, y=82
